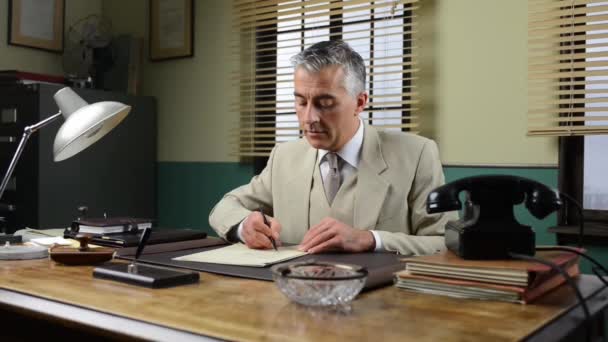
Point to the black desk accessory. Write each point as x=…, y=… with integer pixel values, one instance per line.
x=136, y=273
x=142, y=243
x=488, y=229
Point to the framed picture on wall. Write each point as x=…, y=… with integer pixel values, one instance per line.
x=171, y=29
x=36, y=24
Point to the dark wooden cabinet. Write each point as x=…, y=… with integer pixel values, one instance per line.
x=116, y=175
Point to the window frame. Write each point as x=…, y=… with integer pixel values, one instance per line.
x=571, y=161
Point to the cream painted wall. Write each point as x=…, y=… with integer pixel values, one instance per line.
x=26, y=59
x=129, y=17
x=481, y=85
x=193, y=94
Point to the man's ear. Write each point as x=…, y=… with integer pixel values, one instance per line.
x=361, y=102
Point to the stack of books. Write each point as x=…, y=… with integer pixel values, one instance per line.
x=502, y=280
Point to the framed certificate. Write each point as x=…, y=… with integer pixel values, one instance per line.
x=36, y=24
x=171, y=29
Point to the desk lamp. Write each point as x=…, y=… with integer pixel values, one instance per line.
x=84, y=125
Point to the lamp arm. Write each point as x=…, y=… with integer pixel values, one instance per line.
x=27, y=132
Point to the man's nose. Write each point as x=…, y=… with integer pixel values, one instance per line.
x=311, y=114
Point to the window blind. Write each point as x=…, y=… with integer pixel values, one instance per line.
x=568, y=67
x=270, y=32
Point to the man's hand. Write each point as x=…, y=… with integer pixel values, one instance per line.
x=333, y=235
x=257, y=235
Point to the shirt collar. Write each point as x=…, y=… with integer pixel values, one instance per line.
x=351, y=151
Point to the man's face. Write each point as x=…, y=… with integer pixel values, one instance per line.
x=327, y=113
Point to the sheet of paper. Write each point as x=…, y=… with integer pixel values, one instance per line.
x=45, y=232
x=49, y=241
x=28, y=234
x=241, y=255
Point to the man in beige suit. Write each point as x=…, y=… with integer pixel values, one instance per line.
x=346, y=186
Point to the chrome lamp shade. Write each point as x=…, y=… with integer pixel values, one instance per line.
x=84, y=123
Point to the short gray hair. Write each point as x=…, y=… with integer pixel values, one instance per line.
x=334, y=52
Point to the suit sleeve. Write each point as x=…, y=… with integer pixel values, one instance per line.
x=426, y=231
x=236, y=205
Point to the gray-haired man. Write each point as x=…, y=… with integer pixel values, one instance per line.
x=346, y=186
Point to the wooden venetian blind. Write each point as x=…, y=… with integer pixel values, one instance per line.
x=272, y=31
x=568, y=67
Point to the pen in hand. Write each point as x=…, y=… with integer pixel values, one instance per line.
x=274, y=244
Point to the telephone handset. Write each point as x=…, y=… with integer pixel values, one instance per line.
x=488, y=228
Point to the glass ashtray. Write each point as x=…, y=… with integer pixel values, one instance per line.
x=319, y=283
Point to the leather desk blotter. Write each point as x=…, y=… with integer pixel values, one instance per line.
x=381, y=266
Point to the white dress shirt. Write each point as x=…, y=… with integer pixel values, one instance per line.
x=351, y=154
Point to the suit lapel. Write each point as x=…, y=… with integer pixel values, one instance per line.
x=371, y=187
x=299, y=187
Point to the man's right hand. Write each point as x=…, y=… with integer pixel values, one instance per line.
x=257, y=235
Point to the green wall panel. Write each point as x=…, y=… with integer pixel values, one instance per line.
x=188, y=191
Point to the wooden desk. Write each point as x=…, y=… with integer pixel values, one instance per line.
x=240, y=309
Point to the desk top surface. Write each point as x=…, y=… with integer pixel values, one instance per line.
x=242, y=309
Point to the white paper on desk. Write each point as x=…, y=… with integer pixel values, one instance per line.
x=241, y=255
x=49, y=241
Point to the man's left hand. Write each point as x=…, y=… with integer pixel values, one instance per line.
x=333, y=235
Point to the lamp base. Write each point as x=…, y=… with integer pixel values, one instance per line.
x=146, y=275
x=23, y=252
x=10, y=238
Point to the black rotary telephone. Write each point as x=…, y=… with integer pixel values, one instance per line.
x=488, y=229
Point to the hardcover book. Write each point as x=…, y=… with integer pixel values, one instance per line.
x=112, y=225
x=504, y=280
x=508, y=272
x=481, y=290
